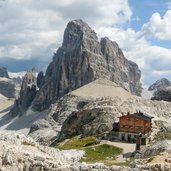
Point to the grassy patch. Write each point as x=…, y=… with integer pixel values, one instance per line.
x=103, y=153
x=27, y=143
x=168, y=135
x=150, y=159
x=77, y=143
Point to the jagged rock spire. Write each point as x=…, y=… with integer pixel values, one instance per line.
x=82, y=59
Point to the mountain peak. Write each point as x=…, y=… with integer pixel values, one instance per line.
x=160, y=84
x=83, y=59
x=76, y=34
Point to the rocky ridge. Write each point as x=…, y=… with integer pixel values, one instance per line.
x=3, y=72
x=82, y=59
x=160, y=85
x=164, y=94
x=73, y=102
x=161, y=90
x=7, y=86
x=93, y=108
x=26, y=95
x=97, y=117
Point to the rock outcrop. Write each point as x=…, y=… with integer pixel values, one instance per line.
x=122, y=71
x=7, y=87
x=75, y=101
x=97, y=117
x=82, y=59
x=161, y=90
x=40, y=79
x=26, y=95
x=160, y=85
x=164, y=94
x=3, y=72
x=19, y=152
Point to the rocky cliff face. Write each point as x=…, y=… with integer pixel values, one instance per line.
x=3, y=72
x=163, y=94
x=160, y=85
x=26, y=94
x=82, y=59
x=7, y=86
x=124, y=72
x=161, y=90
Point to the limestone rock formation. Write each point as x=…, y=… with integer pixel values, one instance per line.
x=3, y=72
x=19, y=152
x=7, y=87
x=161, y=90
x=124, y=72
x=163, y=94
x=160, y=85
x=82, y=59
x=40, y=79
x=74, y=102
x=97, y=116
x=27, y=93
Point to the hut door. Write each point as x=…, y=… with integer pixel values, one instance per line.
x=129, y=137
x=143, y=141
x=123, y=137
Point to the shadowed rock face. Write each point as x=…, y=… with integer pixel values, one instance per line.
x=7, y=87
x=163, y=94
x=26, y=95
x=40, y=78
x=3, y=72
x=161, y=90
x=82, y=59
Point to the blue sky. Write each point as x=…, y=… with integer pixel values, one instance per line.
x=31, y=31
x=144, y=10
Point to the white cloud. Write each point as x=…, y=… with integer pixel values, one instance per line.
x=31, y=29
x=158, y=26
x=19, y=52
x=34, y=29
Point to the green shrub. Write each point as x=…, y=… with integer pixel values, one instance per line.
x=77, y=143
x=150, y=159
x=168, y=135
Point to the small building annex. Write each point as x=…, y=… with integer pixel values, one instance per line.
x=131, y=125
